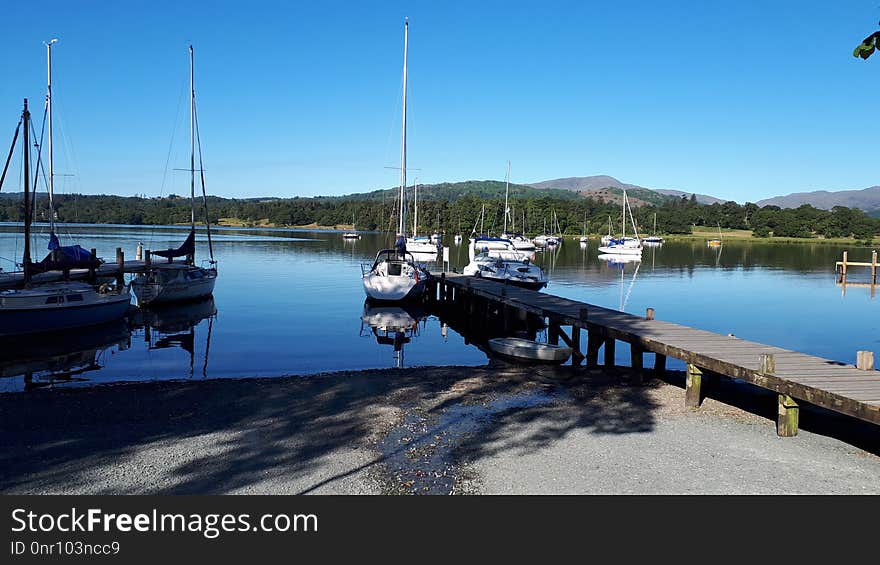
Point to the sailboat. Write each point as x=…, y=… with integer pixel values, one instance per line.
x=171, y=282
x=353, y=233
x=34, y=307
x=654, y=239
x=584, y=238
x=519, y=241
x=421, y=245
x=482, y=241
x=394, y=275
x=624, y=245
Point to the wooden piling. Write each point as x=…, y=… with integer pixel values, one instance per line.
x=609, y=352
x=120, y=266
x=636, y=362
x=576, y=355
x=865, y=360
x=649, y=314
x=874, y=266
x=693, y=384
x=787, y=419
x=659, y=365
x=843, y=266
x=553, y=332
x=148, y=258
x=767, y=364
x=94, y=253
x=594, y=342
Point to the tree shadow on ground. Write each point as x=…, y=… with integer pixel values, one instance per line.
x=292, y=434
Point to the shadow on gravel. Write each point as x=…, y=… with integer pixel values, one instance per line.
x=255, y=430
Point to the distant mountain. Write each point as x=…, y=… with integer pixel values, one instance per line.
x=867, y=199
x=595, y=186
x=480, y=188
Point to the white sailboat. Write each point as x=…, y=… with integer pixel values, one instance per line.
x=421, y=245
x=353, y=234
x=172, y=282
x=584, y=238
x=519, y=241
x=624, y=245
x=654, y=239
x=394, y=275
x=34, y=307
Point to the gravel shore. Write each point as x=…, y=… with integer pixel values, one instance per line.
x=433, y=430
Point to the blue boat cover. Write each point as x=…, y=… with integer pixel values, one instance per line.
x=187, y=248
x=62, y=257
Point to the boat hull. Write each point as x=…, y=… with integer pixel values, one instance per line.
x=147, y=292
x=20, y=321
x=392, y=289
x=621, y=250
x=524, y=350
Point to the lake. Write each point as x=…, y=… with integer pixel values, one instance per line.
x=290, y=302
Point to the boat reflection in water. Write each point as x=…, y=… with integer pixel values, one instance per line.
x=392, y=325
x=174, y=325
x=51, y=358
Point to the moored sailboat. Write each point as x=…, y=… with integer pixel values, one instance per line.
x=172, y=282
x=35, y=307
x=624, y=245
x=394, y=275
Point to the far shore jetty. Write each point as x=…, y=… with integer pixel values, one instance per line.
x=426, y=430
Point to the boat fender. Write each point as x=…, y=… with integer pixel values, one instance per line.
x=104, y=288
x=416, y=273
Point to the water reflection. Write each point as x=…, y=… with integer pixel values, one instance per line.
x=392, y=325
x=57, y=358
x=174, y=326
x=31, y=362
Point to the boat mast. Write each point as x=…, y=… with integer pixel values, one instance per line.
x=506, y=196
x=26, y=260
x=402, y=227
x=623, y=218
x=201, y=168
x=192, y=149
x=49, y=118
x=415, y=206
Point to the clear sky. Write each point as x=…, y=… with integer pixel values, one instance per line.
x=738, y=99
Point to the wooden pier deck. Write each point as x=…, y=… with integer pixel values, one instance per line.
x=833, y=385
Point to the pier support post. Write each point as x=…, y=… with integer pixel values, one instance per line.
x=843, y=267
x=576, y=355
x=787, y=419
x=148, y=258
x=693, y=394
x=767, y=364
x=649, y=314
x=659, y=365
x=120, y=266
x=553, y=332
x=636, y=362
x=609, y=352
x=865, y=360
x=594, y=342
x=443, y=288
x=94, y=253
x=874, y=266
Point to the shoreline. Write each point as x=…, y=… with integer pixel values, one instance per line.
x=495, y=428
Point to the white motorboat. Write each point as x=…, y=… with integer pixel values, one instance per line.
x=507, y=266
x=529, y=351
x=395, y=275
x=172, y=282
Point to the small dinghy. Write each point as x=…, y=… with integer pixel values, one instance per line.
x=528, y=350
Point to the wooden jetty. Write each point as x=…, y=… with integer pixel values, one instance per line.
x=843, y=266
x=108, y=269
x=795, y=377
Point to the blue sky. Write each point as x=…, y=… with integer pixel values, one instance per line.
x=738, y=99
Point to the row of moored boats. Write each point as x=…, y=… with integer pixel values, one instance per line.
x=65, y=290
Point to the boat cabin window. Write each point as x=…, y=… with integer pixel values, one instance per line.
x=395, y=269
x=54, y=299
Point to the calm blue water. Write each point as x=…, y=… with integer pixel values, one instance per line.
x=291, y=302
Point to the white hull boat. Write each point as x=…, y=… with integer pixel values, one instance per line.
x=394, y=277
x=173, y=282
x=528, y=350
x=507, y=266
